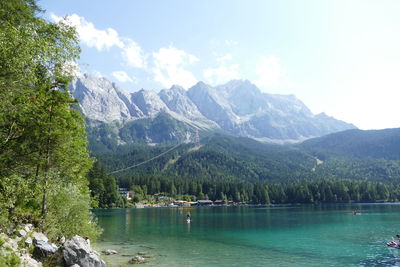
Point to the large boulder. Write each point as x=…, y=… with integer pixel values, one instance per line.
x=77, y=251
x=43, y=249
x=39, y=237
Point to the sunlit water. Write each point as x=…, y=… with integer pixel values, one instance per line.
x=253, y=236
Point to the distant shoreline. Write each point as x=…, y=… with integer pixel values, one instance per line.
x=255, y=205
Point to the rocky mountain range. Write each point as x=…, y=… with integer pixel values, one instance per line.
x=238, y=108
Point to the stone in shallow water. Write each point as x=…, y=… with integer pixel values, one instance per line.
x=137, y=260
x=109, y=252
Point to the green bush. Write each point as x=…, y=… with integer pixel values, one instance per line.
x=69, y=213
x=9, y=260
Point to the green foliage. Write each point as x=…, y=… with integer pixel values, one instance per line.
x=103, y=188
x=72, y=217
x=10, y=260
x=18, y=201
x=163, y=129
x=42, y=137
x=219, y=158
x=322, y=191
x=243, y=170
x=377, y=144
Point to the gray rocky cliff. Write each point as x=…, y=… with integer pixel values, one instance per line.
x=237, y=107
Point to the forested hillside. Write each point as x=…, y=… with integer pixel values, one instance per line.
x=217, y=158
x=377, y=144
x=243, y=169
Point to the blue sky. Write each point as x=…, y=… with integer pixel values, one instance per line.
x=341, y=57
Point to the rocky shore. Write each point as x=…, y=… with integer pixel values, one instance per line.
x=27, y=247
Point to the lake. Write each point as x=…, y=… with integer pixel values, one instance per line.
x=298, y=235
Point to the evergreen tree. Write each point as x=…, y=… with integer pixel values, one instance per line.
x=42, y=137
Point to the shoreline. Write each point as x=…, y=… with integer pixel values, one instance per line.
x=252, y=205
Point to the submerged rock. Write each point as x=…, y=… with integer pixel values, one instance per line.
x=109, y=252
x=137, y=260
x=77, y=251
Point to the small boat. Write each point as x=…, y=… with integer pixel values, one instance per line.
x=188, y=220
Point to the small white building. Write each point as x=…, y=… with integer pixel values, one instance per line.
x=125, y=193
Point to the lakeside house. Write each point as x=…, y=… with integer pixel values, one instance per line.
x=204, y=202
x=219, y=202
x=125, y=193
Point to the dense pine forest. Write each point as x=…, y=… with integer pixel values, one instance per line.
x=244, y=170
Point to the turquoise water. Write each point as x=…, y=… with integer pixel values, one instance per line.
x=253, y=236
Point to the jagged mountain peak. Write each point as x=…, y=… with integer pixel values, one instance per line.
x=237, y=83
x=99, y=99
x=178, y=88
x=238, y=107
x=201, y=84
x=148, y=102
x=177, y=101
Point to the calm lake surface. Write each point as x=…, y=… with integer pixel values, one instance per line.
x=253, y=236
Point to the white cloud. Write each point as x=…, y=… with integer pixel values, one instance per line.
x=89, y=35
x=122, y=76
x=269, y=71
x=133, y=54
x=169, y=66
